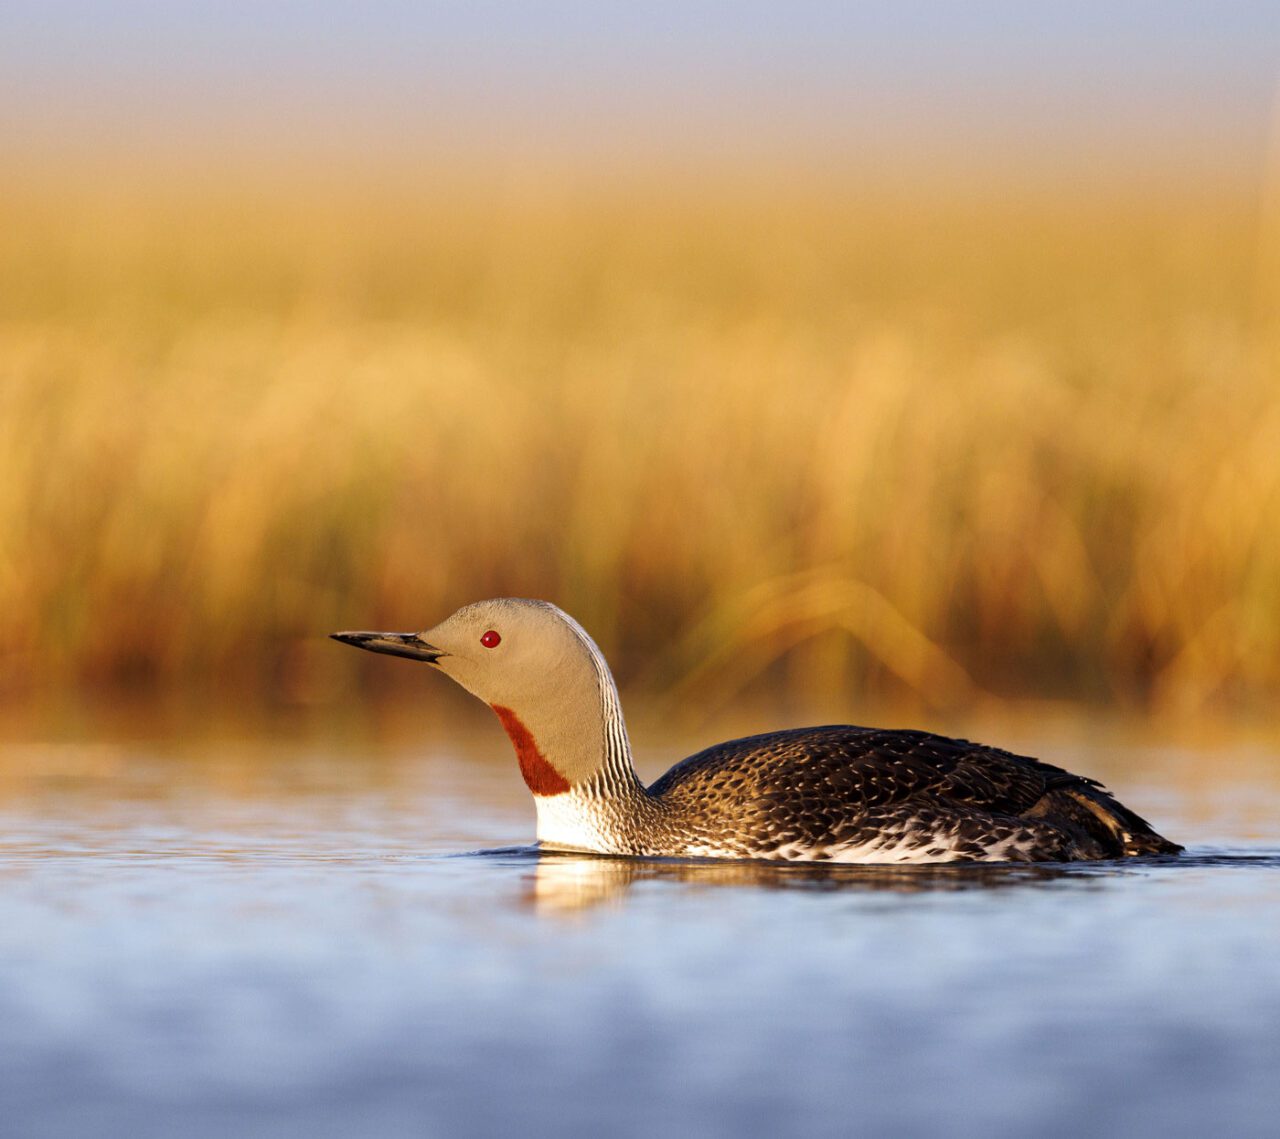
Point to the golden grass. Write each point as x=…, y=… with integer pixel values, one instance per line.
x=1014, y=443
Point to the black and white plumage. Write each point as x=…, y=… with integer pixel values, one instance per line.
x=833, y=794
x=850, y=794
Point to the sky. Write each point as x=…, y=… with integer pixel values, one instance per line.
x=1155, y=80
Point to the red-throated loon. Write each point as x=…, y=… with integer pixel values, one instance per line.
x=838, y=794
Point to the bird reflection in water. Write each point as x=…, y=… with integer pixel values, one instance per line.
x=564, y=882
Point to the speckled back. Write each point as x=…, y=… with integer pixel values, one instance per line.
x=844, y=793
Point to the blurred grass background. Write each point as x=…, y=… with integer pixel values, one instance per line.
x=842, y=438
x=940, y=431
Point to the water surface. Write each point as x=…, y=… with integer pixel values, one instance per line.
x=334, y=936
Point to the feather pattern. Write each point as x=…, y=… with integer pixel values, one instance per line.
x=851, y=794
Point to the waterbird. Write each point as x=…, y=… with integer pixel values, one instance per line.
x=836, y=793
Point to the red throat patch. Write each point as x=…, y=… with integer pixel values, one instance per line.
x=540, y=777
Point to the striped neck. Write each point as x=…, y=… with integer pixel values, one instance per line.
x=599, y=810
x=617, y=775
x=614, y=772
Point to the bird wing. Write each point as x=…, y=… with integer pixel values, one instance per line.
x=824, y=787
x=864, y=768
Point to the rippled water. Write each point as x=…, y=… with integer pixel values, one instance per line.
x=313, y=939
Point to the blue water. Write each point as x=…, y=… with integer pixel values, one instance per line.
x=308, y=941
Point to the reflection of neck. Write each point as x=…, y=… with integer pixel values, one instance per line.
x=564, y=883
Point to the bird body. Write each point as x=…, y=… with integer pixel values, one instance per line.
x=837, y=793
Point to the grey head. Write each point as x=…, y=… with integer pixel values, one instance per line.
x=531, y=662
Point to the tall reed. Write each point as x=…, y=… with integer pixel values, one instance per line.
x=819, y=437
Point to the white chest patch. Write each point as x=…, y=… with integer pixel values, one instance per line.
x=568, y=822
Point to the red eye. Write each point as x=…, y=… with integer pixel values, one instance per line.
x=490, y=639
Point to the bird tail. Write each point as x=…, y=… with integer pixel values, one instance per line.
x=1115, y=824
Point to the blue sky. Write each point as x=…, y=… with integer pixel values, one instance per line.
x=1138, y=76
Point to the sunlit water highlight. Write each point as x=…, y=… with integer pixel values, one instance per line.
x=300, y=940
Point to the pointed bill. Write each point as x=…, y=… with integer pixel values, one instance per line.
x=409, y=645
